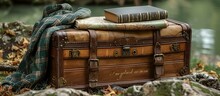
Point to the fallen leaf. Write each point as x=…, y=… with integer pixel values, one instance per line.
x=15, y=62
x=200, y=66
x=6, y=91
x=24, y=90
x=109, y=91
x=213, y=74
x=23, y=51
x=10, y=32
x=25, y=42
x=14, y=47
x=218, y=64
x=1, y=56
x=11, y=55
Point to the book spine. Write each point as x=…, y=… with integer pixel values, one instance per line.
x=125, y=18
x=151, y=25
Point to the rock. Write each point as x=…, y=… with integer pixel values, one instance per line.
x=196, y=84
x=171, y=87
x=134, y=91
x=56, y=92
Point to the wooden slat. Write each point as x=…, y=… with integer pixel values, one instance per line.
x=141, y=51
x=82, y=63
x=121, y=73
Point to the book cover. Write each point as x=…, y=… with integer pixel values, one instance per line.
x=135, y=14
x=99, y=23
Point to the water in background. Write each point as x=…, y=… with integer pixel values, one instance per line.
x=202, y=15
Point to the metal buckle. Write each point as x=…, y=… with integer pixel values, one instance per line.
x=93, y=64
x=126, y=51
x=93, y=84
x=158, y=59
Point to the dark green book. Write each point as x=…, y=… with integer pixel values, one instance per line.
x=135, y=14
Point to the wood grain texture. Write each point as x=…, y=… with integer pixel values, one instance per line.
x=67, y=71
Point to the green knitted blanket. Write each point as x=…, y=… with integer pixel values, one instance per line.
x=33, y=68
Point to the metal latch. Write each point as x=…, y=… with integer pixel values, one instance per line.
x=159, y=59
x=134, y=52
x=115, y=53
x=126, y=51
x=175, y=47
x=74, y=53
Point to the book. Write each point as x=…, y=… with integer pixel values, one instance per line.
x=99, y=23
x=135, y=14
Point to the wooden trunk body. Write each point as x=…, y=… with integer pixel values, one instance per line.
x=122, y=57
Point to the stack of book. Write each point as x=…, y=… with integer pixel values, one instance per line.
x=127, y=18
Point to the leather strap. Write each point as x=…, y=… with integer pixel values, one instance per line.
x=93, y=61
x=158, y=56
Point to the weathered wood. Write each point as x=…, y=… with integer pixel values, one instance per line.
x=124, y=58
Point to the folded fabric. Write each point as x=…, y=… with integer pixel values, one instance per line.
x=33, y=67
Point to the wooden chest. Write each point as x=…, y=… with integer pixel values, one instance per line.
x=93, y=58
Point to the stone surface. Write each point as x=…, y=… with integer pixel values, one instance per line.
x=197, y=84
x=56, y=92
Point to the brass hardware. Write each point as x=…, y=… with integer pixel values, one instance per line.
x=126, y=51
x=62, y=81
x=175, y=47
x=159, y=59
x=94, y=64
x=134, y=52
x=185, y=35
x=115, y=53
x=74, y=53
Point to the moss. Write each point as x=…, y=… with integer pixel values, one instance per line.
x=130, y=92
x=163, y=89
x=202, y=89
x=178, y=90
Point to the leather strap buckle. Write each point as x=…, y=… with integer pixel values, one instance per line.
x=93, y=79
x=93, y=65
x=159, y=59
x=158, y=62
